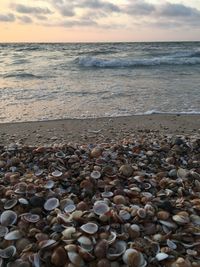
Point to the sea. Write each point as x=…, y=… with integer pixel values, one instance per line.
x=47, y=81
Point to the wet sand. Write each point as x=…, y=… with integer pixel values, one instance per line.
x=96, y=130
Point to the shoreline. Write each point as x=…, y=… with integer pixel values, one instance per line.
x=94, y=130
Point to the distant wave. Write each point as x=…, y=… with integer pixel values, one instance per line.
x=97, y=62
x=22, y=76
x=150, y=112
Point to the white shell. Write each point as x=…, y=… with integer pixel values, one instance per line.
x=161, y=256
x=69, y=208
x=56, y=173
x=127, y=257
x=100, y=207
x=89, y=228
x=116, y=250
x=8, y=217
x=8, y=252
x=75, y=258
x=95, y=174
x=14, y=235
x=51, y=203
x=3, y=230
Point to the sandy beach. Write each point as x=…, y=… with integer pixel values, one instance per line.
x=96, y=130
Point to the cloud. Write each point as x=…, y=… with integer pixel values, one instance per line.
x=31, y=10
x=41, y=17
x=98, y=4
x=139, y=8
x=7, y=18
x=178, y=10
x=25, y=19
x=63, y=7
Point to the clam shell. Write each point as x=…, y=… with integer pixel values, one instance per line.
x=125, y=215
x=33, y=218
x=8, y=217
x=116, y=250
x=95, y=174
x=89, y=228
x=67, y=233
x=10, y=203
x=100, y=207
x=8, y=252
x=49, y=184
x=182, y=173
x=75, y=258
x=23, y=201
x=171, y=244
x=56, y=173
x=39, y=172
x=46, y=243
x=112, y=237
x=14, y=235
x=132, y=257
x=181, y=218
x=51, y=204
x=85, y=242
x=107, y=194
x=3, y=230
x=69, y=208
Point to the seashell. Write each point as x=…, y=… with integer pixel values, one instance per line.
x=46, y=243
x=125, y=215
x=89, y=228
x=95, y=175
x=65, y=202
x=119, y=199
x=8, y=252
x=20, y=188
x=192, y=252
x=126, y=170
x=51, y=204
x=37, y=201
x=116, y=250
x=60, y=154
x=100, y=207
x=76, y=215
x=3, y=231
x=107, y=194
x=141, y=213
x=68, y=233
x=9, y=204
x=39, y=172
x=101, y=249
x=75, y=258
x=71, y=247
x=56, y=173
x=85, y=255
x=163, y=215
x=181, y=218
x=13, y=235
x=59, y=257
x=33, y=218
x=21, y=244
x=8, y=217
x=70, y=208
x=161, y=256
x=82, y=206
x=171, y=244
x=85, y=242
x=168, y=224
x=96, y=152
x=23, y=201
x=195, y=219
x=49, y=184
x=182, y=173
x=104, y=263
x=111, y=238
x=181, y=262
x=134, y=231
x=134, y=258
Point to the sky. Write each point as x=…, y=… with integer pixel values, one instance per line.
x=99, y=20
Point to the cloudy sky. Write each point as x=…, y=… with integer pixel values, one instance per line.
x=99, y=20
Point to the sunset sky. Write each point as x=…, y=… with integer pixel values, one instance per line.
x=99, y=20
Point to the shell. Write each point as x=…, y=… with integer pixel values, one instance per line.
x=85, y=242
x=8, y=217
x=67, y=233
x=49, y=184
x=8, y=252
x=95, y=175
x=23, y=201
x=56, y=173
x=107, y=194
x=69, y=208
x=33, y=218
x=14, y=235
x=182, y=173
x=126, y=170
x=10, y=203
x=100, y=207
x=3, y=231
x=181, y=218
x=75, y=258
x=134, y=258
x=51, y=204
x=116, y=250
x=161, y=256
x=89, y=228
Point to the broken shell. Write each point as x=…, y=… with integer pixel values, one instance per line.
x=161, y=256
x=8, y=217
x=171, y=244
x=56, y=173
x=89, y=228
x=100, y=208
x=9, y=204
x=14, y=235
x=111, y=238
x=8, y=252
x=95, y=175
x=46, y=243
x=51, y=204
x=141, y=213
x=116, y=250
x=132, y=257
x=33, y=218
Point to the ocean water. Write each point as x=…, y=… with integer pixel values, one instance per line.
x=68, y=80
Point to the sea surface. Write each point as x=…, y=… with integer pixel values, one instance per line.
x=82, y=80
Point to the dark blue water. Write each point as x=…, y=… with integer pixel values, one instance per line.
x=50, y=81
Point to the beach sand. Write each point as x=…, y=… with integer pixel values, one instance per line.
x=96, y=130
